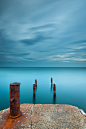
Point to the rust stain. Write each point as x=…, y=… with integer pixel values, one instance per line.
x=15, y=100
x=10, y=123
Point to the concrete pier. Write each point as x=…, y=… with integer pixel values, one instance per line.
x=45, y=116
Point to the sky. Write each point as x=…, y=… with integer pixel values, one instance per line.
x=42, y=33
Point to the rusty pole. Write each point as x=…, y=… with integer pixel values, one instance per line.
x=35, y=82
x=34, y=95
x=54, y=89
x=15, y=100
x=34, y=89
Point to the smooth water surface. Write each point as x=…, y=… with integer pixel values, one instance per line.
x=70, y=86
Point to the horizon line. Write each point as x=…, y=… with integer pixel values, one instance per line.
x=46, y=67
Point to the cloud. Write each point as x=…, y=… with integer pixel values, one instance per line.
x=78, y=59
x=46, y=26
x=28, y=41
x=45, y=31
x=80, y=41
x=65, y=58
x=29, y=59
x=6, y=44
x=35, y=40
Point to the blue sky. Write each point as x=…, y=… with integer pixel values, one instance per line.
x=43, y=33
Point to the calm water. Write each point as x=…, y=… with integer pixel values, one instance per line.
x=70, y=86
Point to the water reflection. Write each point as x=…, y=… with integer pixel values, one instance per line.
x=36, y=87
x=51, y=87
x=54, y=98
x=34, y=98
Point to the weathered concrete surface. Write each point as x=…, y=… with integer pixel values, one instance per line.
x=22, y=122
x=47, y=116
x=57, y=116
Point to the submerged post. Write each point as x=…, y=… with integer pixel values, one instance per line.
x=35, y=82
x=34, y=89
x=54, y=89
x=15, y=100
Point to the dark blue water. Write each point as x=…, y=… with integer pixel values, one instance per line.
x=70, y=86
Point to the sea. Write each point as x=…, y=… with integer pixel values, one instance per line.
x=70, y=85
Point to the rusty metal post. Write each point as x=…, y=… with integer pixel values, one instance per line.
x=34, y=95
x=15, y=100
x=34, y=89
x=54, y=89
x=35, y=82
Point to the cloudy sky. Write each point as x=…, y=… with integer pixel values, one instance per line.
x=42, y=33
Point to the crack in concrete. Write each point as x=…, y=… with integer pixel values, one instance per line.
x=31, y=116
